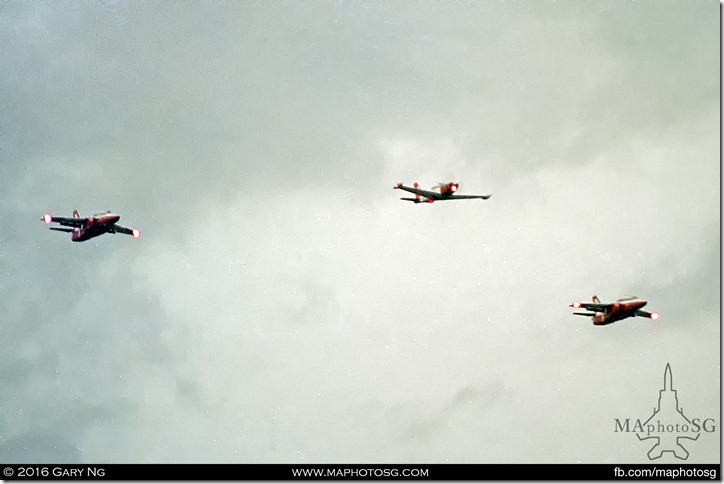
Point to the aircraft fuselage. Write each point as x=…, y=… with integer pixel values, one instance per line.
x=95, y=226
x=618, y=311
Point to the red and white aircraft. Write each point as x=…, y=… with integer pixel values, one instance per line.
x=607, y=313
x=89, y=227
x=447, y=192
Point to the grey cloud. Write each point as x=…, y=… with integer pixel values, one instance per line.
x=282, y=305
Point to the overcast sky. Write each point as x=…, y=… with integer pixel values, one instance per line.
x=282, y=304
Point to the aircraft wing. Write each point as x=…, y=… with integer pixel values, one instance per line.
x=121, y=230
x=585, y=314
x=68, y=222
x=643, y=314
x=462, y=197
x=424, y=193
x=598, y=307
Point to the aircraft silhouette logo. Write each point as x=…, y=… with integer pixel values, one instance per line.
x=669, y=423
x=667, y=427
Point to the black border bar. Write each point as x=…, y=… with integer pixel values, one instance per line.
x=338, y=472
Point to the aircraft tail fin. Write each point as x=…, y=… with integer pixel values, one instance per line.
x=595, y=299
x=417, y=195
x=76, y=214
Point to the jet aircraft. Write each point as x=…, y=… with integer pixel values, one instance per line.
x=89, y=227
x=446, y=192
x=607, y=313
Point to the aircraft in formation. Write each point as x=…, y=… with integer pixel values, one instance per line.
x=600, y=313
x=446, y=192
x=89, y=227
x=607, y=313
